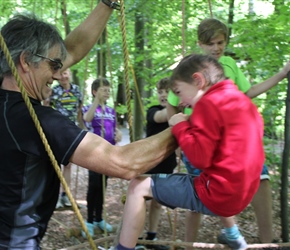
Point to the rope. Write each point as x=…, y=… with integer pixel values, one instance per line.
x=210, y=8
x=126, y=63
x=183, y=28
x=137, y=91
x=43, y=137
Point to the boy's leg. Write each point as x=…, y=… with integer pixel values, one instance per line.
x=193, y=219
x=262, y=204
x=135, y=211
x=231, y=235
x=192, y=224
x=154, y=215
x=67, y=176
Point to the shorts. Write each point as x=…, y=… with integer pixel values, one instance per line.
x=177, y=190
x=196, y=172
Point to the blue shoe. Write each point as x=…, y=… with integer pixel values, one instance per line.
x=90, y=228
x=101, y=225
x=236, y=244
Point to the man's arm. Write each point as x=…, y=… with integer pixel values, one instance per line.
x=81, y=40
x=126, y=161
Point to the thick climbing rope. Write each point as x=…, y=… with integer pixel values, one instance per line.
x=43, y=137
x=126, y=67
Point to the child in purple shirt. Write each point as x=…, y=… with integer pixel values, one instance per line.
x=101, y=120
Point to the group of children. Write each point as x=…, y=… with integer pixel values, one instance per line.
x=220, y=134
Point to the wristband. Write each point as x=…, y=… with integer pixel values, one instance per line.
x=113, y=5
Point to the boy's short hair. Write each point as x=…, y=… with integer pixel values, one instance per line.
x=98, y=83
x=210, y=28
x=164, y=83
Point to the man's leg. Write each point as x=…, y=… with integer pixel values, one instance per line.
x=135, y=211
x=192, y=224
x=262, y=204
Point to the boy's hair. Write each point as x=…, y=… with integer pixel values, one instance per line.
x=164, y=83
x=210, y=28
x=98, y=83
x=207, y=65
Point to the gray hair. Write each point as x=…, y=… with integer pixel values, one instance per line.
x=28, y=34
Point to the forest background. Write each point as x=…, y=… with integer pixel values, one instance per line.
x=156, y=34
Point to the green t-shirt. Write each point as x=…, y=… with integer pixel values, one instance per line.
x=232, y=71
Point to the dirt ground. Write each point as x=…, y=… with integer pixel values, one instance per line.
x=64, y=228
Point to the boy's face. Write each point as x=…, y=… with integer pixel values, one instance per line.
x=215, y=47
x=188, y=93
x=162, y=96
x=103, y=93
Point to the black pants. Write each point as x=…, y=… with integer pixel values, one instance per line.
x=95, y=198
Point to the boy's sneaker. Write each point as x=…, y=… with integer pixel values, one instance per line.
x=140, y=247
x=90, y=228
x=101, y=225
x=65, y=201
x=237, y=244
x=59, y=203
x=157, y=247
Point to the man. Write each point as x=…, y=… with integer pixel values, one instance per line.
x=67, y=99
x=29, y=186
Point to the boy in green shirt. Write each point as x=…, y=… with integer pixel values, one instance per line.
x=212, y=39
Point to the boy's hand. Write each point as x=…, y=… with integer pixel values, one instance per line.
x=177, y=118
x=118, y=135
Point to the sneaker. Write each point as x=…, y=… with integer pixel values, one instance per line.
x=59, y=203
x=65, y=201
x=237, y=244
x=90, y=228
x=101, y=225
x=157, y=247
x=140, y=247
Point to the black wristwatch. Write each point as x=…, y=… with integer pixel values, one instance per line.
x=113, y=5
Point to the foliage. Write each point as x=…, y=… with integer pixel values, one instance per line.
x=259, y=42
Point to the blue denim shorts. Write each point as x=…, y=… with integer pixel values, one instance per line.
x=177, y=190
x=196, y=172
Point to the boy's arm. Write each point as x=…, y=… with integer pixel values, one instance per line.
x=262, y=87
x=80, y=41
x=89, y=115
x=160, y=116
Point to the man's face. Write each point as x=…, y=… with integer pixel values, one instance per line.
x=162, y=96
x=40, y=77
x=215, y=47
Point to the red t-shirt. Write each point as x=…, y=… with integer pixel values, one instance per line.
x=224, y=138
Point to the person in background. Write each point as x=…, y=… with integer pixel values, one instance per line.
x=67, y=98
x=212, y=39
x=156, y=122
x=101, y=120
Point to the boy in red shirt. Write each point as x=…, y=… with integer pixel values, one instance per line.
x=223, y=137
